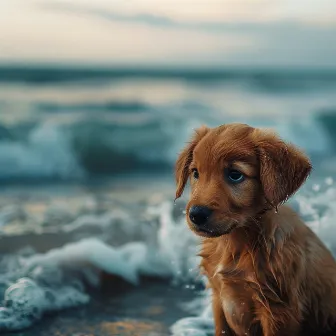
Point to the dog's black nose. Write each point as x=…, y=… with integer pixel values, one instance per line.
x=199, y=215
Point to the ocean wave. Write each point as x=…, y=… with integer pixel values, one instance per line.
x=34, y=284
x=119, y=106
x=90, y=147
x=45, y=154
x=274, y=80
x=327, y=118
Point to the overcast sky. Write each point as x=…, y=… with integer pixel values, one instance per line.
x=170, y=32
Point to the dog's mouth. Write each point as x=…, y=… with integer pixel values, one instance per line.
x=204, y=230
x=212, y=233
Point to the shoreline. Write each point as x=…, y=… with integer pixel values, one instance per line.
x=119, y=309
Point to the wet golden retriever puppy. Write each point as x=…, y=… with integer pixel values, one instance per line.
x=269, y=273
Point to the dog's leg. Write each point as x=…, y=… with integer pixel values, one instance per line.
x=221, y=325
x=287, y=328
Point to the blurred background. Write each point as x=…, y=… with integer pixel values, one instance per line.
x=97, y=98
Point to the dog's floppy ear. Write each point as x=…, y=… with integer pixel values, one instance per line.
x=184, y=160
x=283, y=168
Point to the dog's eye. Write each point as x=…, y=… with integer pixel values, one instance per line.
x=195, y=173
x=234, y=176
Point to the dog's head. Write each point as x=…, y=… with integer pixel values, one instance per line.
x=236, y=171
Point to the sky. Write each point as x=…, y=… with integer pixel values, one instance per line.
x=209, y=33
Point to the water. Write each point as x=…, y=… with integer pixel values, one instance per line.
x=100, y=122
x=86, y=160
x=87, y=234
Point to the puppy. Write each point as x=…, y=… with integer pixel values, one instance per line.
x=269, y=273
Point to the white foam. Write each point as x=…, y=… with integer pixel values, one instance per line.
x=37, y=280
x=87, y=251
x=40, y=286
x=176, y=244
x=28, y=159
x=25, y=302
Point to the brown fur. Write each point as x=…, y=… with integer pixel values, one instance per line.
x=269, y=273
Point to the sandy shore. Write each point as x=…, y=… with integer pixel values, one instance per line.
x=119, y=309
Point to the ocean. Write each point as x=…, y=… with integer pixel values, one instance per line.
x=86, y=173
x=77, y=124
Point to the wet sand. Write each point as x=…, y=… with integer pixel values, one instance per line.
x=147, y=310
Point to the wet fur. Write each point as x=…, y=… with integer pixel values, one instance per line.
x=269, y=273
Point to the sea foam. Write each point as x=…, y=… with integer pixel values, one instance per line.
x=36, y=284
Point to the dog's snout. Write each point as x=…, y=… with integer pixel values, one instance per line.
x=199, y=215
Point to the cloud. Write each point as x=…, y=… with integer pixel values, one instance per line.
x=138, y=32
x=145, y=18
x=191, y=11
x=151, y=19
x=36, y=34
